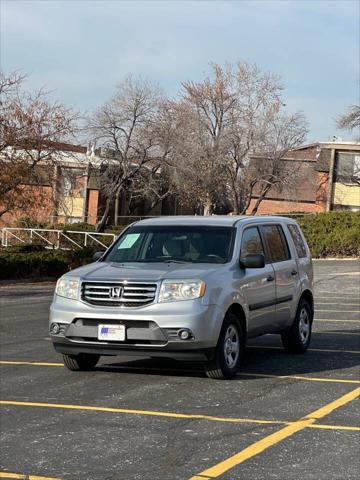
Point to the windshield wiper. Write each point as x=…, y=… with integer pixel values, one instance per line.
x=154, y=261
x=178, y=261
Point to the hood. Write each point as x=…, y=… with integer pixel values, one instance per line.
x=148, y=272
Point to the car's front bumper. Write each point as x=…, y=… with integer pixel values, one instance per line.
x=150, y=331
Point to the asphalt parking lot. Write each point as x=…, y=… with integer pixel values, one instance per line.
x=283, y=417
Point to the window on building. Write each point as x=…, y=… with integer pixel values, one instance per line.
x=73, y=182
x=347, y=168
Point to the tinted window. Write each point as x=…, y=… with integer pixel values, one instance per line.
x=276, y=242
x=298, y=241
x=173, y=243
x=251, y=242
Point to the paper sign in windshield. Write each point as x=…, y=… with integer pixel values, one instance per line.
x=128, y=241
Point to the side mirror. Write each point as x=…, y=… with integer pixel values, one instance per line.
x=97, y=256
x=253, y=260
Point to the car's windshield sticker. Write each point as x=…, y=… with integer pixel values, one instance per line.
x=128, y=241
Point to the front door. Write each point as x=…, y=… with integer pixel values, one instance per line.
x=258, y=286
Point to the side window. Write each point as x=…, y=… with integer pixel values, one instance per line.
x=298, y=241
x=277, y=244
x=251, y=242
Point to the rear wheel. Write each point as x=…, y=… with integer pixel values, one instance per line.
x=80, y=362
x=229, y=350
x=297, y=338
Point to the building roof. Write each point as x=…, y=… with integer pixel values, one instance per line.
x=67, y=147
x=338, y=144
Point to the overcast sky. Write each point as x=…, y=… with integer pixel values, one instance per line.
x=82, y=49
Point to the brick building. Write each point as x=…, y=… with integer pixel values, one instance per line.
x=62, y=189
x=329, y=179
x=69, y=191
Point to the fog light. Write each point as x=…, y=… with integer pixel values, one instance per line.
x=184, y=334
x=55, y=328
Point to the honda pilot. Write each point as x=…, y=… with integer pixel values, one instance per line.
x=188, y=288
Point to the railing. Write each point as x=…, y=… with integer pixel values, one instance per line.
x=54, y=239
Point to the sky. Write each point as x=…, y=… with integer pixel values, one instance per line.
x=81, y=49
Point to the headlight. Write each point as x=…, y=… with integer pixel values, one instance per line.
x=67, y=287
x=175, y=290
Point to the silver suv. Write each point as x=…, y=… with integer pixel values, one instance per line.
x=188, y=288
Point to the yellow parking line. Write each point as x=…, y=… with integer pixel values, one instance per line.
x=309, y=350
x=170, y=414
x=333, y=295
x=336, y=311
x=38, y=364
x=142, y=412
x=200, y=477
x=21, y=476
x=337, y=274
x=335, y=320
x=11, y=475
x=298, y=377
x=276, y=437
x=338, y=303
x=334, y=427
x=329, y=332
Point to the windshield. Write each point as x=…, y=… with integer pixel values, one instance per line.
x=173, y=244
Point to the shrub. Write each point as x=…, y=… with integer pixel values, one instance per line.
x=28, y=222
x=49, y=263
x=35, y=264
x=79, y=227
x=78, y=257
x=333, y=234
x=30, y=247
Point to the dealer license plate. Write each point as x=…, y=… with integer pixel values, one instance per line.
x=111, y=332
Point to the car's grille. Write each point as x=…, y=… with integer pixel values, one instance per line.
x=118, y=294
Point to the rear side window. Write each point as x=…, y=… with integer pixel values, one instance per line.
x=275, y=239
x=251, y=242
x=298, y=241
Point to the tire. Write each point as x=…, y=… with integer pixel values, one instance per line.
x=81, y=362
x=297, y=338
x=228, y=356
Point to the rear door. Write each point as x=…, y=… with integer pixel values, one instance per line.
x=258, y=285
x=286, y=272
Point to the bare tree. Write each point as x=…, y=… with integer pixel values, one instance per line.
x=284, y=133
x=31, y=127
x=351, y=119
x=151, y=187
x=258, y=103
x=124, y=126
x=160, y=179
x=210, y=104
x=233, y=115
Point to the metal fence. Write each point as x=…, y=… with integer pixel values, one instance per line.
x=54, y=239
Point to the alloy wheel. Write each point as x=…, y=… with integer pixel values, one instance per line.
x=231, y=346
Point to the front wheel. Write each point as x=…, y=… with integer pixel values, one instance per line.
x=297, y=338
x=229, y=350
x=81, y=362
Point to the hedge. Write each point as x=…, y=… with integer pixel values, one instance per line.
x=333, y=234
x=36, y=264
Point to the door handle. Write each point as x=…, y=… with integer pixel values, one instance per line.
x=294, y=272
x=270, y=278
